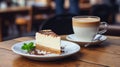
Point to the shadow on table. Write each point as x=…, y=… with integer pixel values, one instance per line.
x=102, y=45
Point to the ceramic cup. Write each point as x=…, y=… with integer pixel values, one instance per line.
x=87, y=27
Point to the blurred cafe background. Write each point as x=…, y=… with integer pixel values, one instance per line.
x=25, y=17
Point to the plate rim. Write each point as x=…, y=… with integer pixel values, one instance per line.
x=38, y=56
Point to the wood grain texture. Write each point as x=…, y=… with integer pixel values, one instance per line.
x=100, y=57
x=8, y=44
x=105, y=55
x=24, y=38
x=10, y=59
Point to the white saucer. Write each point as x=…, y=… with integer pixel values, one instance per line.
x=97, y=42
x=70, y=49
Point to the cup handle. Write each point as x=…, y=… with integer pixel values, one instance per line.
x=104, y=29
x=100, y=33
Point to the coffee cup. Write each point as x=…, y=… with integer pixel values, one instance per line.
x=87, y=27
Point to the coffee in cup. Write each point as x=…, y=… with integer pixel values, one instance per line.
x=86, y=27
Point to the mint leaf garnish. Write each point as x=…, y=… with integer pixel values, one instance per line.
x=28, y=47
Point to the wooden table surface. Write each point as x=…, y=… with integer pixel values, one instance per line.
x=105, y=55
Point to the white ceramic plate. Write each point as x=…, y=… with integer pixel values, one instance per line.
x=97, y=42
x=70, y=49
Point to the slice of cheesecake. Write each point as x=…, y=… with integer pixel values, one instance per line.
x=48, y=41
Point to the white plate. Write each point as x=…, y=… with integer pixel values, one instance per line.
x=70, y=49
x=97, y=42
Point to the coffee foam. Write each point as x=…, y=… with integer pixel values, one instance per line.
x=86, y=20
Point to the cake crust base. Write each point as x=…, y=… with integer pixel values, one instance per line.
x=40, y=47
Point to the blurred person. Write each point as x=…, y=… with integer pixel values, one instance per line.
x=7, y=18
x=3, y=24
x=10, y=3
x=102, y=8
x=106, y=9
x=73, y=8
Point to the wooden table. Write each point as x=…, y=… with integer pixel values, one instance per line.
x=14, y=9
x=105, y=55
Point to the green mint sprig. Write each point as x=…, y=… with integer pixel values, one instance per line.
x=29, y=47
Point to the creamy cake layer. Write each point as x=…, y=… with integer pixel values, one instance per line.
x=48, y=41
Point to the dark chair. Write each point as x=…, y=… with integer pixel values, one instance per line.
x=38, y=15
x=33, y=19
x=103, y=11
x=60, y=24
x=107, y=13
